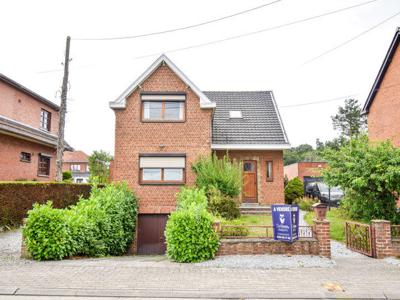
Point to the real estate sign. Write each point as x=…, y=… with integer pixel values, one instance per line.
x=285, y=219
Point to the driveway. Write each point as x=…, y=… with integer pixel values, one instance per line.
x=348, y=274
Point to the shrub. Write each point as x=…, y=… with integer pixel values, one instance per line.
x=190, y=236
x=67, y=176
x=222, y=205
x=102, y=225
x=235, y=231
x=189, y=197
x=47, y=234
x=305, y=203
x=223, y=174
x=293, y=190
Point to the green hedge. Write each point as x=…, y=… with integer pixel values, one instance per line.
x=102, y=225
x=16, y=198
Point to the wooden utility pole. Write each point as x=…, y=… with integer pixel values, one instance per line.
x=63, y=109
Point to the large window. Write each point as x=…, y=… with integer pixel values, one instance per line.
x=162, y=169
x=44, y=165
x=163, y=108
x=45, y=120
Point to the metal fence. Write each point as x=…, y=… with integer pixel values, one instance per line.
x=359, y=237
x=258, y=231
x=395, y=231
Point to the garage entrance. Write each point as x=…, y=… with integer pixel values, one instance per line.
x=151, y=239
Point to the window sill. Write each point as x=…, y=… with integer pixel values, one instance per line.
x=161, y=183
x=163, y=121
x=45, y=176
x=25, y=161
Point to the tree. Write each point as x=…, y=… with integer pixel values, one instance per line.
x=99, y=164
x=303, y=152
x=294, y=190
x=349, y=121
x=370, y=175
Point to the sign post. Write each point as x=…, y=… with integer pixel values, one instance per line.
x=285, y=219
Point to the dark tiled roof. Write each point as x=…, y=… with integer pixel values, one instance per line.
x=15, y=128
x=261, y=123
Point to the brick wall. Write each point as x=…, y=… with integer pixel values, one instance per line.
x=11, y=168
x=23, y=108
x=291, y=171
x=268, y=192
x=381, y=239
x=132, y=137
x=383, y=116
x=301, y=169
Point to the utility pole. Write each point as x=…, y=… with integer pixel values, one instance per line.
x=63, y=109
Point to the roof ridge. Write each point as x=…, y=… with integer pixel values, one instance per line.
x=249, y=91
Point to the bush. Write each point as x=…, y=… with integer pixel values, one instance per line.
x=188, y=197
x=190, y=236
x=305, y=203
x=47, y=234
x=235, y=231
x=222, y=205
x=67, y=176
x=223, y=174
x=293, y=190
x=102, y=225
x=16, y=198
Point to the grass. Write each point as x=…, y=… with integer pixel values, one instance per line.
x=253, y=220
x=337, y=221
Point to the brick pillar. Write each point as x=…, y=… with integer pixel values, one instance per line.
x=381, y=238
x=322, y=234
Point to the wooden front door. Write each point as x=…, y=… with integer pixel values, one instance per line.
x=151, y=239
x=249, y=181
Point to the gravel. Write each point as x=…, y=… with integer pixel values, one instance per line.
x=268, y=262
x=392, y=261
x=339, y=250
x=10, y=245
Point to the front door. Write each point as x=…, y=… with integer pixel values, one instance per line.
x=250, y=181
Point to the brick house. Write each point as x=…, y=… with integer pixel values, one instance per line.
x=305, y=170
x=78, y=163
x=28, y=133
x=164, y=123
x=382, y=106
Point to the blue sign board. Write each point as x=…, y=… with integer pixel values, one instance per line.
x=285, y=219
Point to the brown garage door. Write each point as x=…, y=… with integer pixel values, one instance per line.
x=151, y=239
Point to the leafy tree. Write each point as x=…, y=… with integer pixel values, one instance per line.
x=67, y=176
x=370, y=174
x=349, y=121
x=294, y=190
x=303, y=152
x=99, y=164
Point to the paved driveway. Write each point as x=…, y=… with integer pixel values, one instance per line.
x=351, y=275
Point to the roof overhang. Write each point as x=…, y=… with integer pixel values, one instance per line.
x=250, y=146
x=382, y=71
x=120, y=102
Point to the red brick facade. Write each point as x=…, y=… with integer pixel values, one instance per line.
x=384, y=112
x=304, y=169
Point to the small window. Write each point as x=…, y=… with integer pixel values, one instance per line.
x=235, y=114
x=269, y=172
x=162, y=170
x=75, y=167
x=44, y=165
x=25, y=157
x=163, y=108
x=45, y=120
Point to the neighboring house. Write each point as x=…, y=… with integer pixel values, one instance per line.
x=28, y=133
x=78, y=163
x=383, y=103
x=306, y=171
x=164, y=123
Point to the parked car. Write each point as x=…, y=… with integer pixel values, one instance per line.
x=321, y=191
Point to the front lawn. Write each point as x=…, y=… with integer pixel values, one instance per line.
x=337, y=220
x=256, y=220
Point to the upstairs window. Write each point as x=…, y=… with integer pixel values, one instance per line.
x=75, y=167
x=235, y=114
x=162, y=170
x=44, y=165
x=163, y=108
x=45, y=120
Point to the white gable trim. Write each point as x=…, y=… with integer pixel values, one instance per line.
x=120, y=102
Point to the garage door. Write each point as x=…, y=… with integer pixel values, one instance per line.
x=151, y=238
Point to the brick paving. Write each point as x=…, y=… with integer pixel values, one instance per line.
x=353, y=276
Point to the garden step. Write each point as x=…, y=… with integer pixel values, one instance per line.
x=254, y=209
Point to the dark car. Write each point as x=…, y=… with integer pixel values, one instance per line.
x=321, y=191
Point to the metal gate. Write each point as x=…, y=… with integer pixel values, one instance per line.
x=359, y=237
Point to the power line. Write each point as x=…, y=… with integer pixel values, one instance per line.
x=351, y=39
x=319, y=102
x=259, y=31
x=178, y=28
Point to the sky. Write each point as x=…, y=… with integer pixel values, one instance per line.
x=285, y=60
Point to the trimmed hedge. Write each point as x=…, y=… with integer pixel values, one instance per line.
x=16, y=198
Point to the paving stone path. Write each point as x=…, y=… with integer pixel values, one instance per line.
x=351, y=275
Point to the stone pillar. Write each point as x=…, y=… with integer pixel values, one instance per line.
x=322, y=234
x=381, y=238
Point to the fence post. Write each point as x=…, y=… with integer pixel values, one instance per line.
x=381, y=238
x=322, y=230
